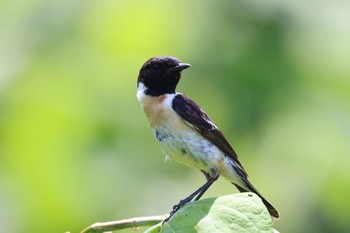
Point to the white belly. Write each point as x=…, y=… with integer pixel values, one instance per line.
x=189, y=148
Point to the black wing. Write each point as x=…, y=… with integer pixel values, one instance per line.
x=200, y=121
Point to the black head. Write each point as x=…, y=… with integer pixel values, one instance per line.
x=160, y=75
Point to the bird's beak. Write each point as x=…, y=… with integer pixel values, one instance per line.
x=182, y=66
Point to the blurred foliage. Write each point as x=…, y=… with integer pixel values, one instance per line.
x=75, y=146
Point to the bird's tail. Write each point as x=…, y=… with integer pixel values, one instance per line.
x=248, y=187
x=272, y=210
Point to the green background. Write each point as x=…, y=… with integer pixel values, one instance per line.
x=75, y=146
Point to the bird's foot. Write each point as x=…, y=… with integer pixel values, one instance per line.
x=176, y=208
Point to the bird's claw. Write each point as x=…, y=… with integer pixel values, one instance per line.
x=175, y=209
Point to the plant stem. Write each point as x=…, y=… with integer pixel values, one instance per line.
x=122, y=224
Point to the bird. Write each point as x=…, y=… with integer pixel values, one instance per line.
x=185, y=131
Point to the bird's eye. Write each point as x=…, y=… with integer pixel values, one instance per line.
x=156, y=66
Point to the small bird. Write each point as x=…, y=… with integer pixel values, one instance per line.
x=185, y=131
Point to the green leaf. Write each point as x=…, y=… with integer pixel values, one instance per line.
x=242, y=212
x=155, y=229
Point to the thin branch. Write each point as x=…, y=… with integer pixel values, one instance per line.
x=125, y=223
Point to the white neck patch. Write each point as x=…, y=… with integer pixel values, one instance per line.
x=141, y=95
x=141, y=91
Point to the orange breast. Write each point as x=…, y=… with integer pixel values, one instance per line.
x=157, y=110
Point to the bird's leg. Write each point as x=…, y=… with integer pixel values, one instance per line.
x=209, y=177
x=199, y=192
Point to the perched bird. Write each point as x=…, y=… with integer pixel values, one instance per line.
x=185, y=131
